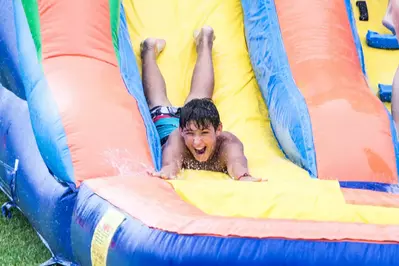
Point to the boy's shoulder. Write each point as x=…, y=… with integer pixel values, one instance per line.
x=227, y=137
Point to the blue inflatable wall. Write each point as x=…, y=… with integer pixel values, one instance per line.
x=288, y=112
x=30, y=186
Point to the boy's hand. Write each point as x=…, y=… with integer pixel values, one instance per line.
x=166, y=173
x=251, y=179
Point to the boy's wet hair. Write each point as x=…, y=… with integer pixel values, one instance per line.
x=202, y=112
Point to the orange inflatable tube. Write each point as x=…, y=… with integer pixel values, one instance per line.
x=73, y=45
x=351, y=128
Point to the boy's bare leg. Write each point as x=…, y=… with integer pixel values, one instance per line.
x=153, y=81
x=203, y=81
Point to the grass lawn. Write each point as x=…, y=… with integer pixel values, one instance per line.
x=19, y=243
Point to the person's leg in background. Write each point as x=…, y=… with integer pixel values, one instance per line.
x=392, y=17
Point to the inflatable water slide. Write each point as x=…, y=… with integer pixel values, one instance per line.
x=296, y=81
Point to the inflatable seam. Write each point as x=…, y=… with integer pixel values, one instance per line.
x=132, y=80
x=60, y=162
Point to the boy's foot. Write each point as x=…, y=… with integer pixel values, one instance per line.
x=204, y=37
x=152, y=45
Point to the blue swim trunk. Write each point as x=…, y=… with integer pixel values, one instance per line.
x=166, y=120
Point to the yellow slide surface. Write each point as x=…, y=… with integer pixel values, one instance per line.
x=290, y=193
x=237, y=96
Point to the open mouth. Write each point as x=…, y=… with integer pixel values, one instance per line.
x=200, y=151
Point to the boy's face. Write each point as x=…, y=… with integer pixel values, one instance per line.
x=201, y=142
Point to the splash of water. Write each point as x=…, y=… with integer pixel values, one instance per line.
x=126, y=163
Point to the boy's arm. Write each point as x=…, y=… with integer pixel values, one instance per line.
x=236, y=162
x=172, y=156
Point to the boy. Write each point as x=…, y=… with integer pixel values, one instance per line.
x=191, y=136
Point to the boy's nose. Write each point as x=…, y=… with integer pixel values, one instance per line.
x=197, y=140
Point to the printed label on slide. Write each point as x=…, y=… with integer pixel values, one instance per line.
x=103, y=234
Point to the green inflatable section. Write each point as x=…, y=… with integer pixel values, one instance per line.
x=32, y=14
